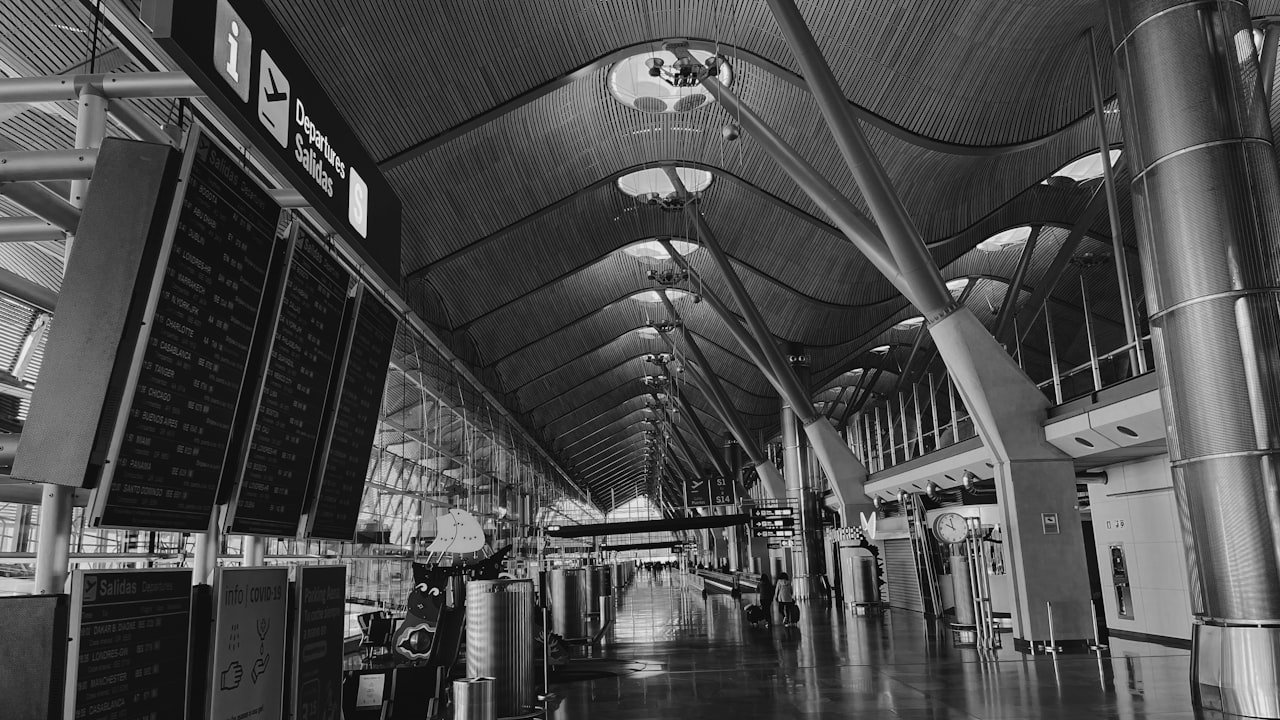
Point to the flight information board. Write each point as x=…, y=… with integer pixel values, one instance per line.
x=130, y=630
x=286, y=425
x=340, y=475
x=170, y=444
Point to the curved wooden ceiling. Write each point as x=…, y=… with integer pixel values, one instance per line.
x=493, y=121
x=497, y=128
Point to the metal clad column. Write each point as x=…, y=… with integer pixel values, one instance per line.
x=806, y=556
x=500, y=640
x=1205, y=196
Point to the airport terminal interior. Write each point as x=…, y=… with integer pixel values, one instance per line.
x=639, y=359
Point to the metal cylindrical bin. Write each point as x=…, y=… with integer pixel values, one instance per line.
x=590, y=588
x=860, y=587
x=606, y=580
x=500, y=641
x=473, y=699
x=565, y=585
x=963, y=591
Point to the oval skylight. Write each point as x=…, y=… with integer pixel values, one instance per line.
x=652, y=297
x=632, y=83
x=880, y=349
x=652, y=250
x=1013, y=237
x=1085, y=168
x=653, y=182
x=912, y=322
x=648, y=333
x=957, y=286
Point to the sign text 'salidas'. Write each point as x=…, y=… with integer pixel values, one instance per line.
x=312, y=150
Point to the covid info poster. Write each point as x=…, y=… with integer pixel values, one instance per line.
x=249, y=642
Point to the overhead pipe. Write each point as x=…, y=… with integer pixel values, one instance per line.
x=37, y=165
x=29, y=229
x=66, y=88
x=911, y=257
x=44, y=203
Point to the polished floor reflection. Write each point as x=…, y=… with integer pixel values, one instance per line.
x=690, y=658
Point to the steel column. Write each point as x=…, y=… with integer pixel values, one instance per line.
x=740, y=334
x=919, y=271
x=1206, y=188
x=1137, y=357
x=768, y=343
x=53, y=551
x=1267, y=58
x=1010, y=305
x=825, y=195
x=91, y=128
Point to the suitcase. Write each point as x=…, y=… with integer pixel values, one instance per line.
x=791, y=612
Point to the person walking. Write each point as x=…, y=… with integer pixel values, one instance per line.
x=766, y=597
x=786, y=599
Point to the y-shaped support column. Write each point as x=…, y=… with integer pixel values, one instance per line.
x=981, y=369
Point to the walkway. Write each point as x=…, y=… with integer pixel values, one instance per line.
x=679, y=657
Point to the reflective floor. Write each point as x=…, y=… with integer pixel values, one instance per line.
x=674, y=655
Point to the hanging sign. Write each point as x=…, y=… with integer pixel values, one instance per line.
x=723, y=491
x=241, y=57
x=697, y=492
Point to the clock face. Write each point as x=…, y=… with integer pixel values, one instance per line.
x=951, y=528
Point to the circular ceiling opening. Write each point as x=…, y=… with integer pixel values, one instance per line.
x=913, y=322
x=633, y=82
x=957, y=286
x=880, y=349
x=1013, y=237
x=653, y=298
x=653, y=184
x=648, y=333
x=651, y=251
x=1085, y=168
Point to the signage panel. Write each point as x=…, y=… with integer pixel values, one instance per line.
x=319, y=605
x=287, y=419
x=130, y=632
x=249, y=644
x=169, y=450
x=772, y=533
x=697, y=492
x=241, y=57
x=340, y=474
x=723, y=491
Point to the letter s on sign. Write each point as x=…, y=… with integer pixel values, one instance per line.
x=358, y=204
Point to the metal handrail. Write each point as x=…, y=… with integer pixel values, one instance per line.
x=888, y=434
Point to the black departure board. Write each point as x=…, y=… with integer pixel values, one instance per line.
x=173, y=444
x=341, y=471
x=286, y=426
x=130, y=634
